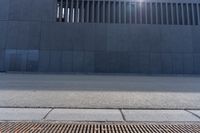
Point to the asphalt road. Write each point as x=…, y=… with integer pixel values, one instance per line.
x=99, y=91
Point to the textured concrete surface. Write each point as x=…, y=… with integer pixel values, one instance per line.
x=22, y=114
x=85, y=115
x=159, y=115
x=99, y=91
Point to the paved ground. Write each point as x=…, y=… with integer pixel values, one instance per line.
x=99, y=91
x=98, y=115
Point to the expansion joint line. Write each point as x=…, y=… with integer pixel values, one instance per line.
x=122, y=114
x=47, y=114
x=193, y=114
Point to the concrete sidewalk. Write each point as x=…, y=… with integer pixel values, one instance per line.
x=99, y=91
x=98, y=115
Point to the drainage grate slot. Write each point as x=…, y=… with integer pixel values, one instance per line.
x=17, y=127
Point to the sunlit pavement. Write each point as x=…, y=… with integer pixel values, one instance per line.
x=100, y=91
x=99, y=98
x=98, y=115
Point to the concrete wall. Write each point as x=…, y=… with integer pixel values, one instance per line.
x=32, y=40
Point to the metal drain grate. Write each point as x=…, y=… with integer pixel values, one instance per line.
x=9, y=127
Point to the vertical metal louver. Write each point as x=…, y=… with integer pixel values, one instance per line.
x=61, y=10
x=128, y=12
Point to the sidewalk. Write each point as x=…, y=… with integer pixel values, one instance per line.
x=98, y=115
x=99, y=91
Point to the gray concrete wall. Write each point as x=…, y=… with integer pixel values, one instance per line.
x=32, y=40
